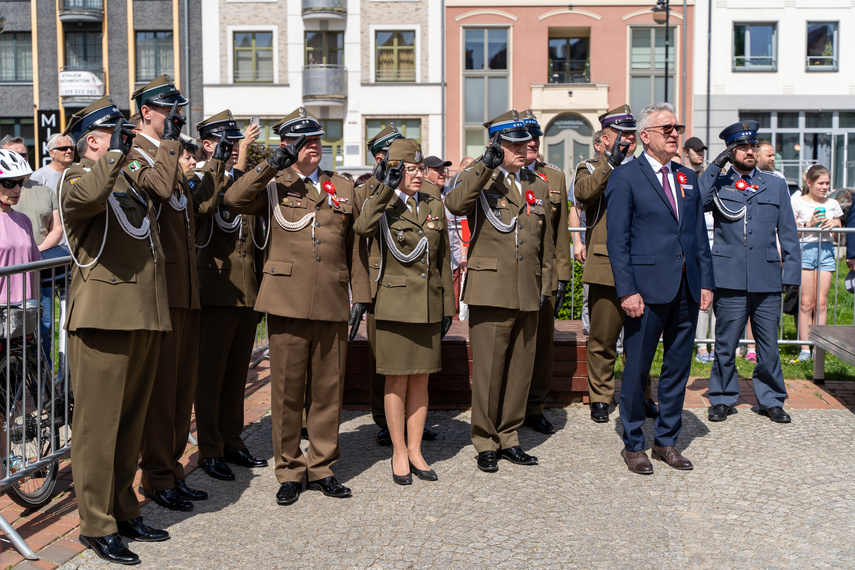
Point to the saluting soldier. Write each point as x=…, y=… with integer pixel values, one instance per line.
x=155, y=170
x=225, y=260
x=562, y=274
x=117, y=313
x=304, y=292
x=508, y=282
x=592, y=177
x=413, y=300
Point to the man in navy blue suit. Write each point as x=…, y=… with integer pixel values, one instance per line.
x=850, y=240
x=752, y=215
x=660, y=257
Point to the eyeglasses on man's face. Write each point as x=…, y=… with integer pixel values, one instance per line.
x=442, y=171
x=667, y=129
x=11, y=182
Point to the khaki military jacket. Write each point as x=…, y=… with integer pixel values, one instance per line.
x=562, y=269
x=155, y=170
x=308, y=270
x=419, y=291
x=592, y=177
x=126, y=288
x=513, y=269
x=226, y=252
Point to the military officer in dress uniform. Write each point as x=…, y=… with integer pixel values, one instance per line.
x=592, y=177
x=509, y=280
x=753, y=215
x=562, y=274
x=155, y=170
x=304, y=292
x=225, y=260
x=117, y=313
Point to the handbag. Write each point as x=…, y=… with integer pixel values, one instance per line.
x=791, y=300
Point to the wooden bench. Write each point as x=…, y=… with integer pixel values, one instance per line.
x=838, y=340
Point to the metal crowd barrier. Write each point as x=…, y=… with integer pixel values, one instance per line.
x=35, y=401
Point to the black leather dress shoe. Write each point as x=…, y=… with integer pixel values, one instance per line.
x=216, y=467
x=777, y=414
x=429, y=475
x=650, y=409
x=169, y=499
x=429, y=435
x=516, y=455
x=719, y=412
x=539, y=423
x=110, y=548
x=384, y=438
x=600, y=412
x=488, y=461
x=330, y=487
x=244, y=458
x=288, y=493
x=136, y=529
x=189, y=493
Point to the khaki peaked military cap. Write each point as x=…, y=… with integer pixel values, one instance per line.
x=299, y=122
x=383, y=139
x=619, y=118
x=406, y=150
x=508, y=126
x=160, y=91
x=531, y=123
x=100, y=114
x=223, y=123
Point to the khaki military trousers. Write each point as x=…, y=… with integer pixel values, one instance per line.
x=307, y=361
x=606, y=323
x=503, y=344
x=227, y=335
x=544, y=359
x=167, y=422
x=112, y=374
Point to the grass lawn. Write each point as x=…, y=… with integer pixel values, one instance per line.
x=835, y=369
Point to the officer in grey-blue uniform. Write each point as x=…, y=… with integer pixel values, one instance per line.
x=751, y=208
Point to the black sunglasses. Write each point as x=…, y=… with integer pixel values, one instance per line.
x=11, y=183
x=63, y=148
x=666, y=129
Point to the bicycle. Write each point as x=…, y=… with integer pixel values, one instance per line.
x=32, y=407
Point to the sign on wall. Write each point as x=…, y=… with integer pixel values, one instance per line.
x=47, y=124
x=80, y=84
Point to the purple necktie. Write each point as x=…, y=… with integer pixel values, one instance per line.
x=666, y=185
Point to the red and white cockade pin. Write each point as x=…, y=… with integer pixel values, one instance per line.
x=681, y=179
x=743, y=185
x=329, y=188
x=530, y=199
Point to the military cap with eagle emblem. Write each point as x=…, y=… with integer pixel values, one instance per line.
x=102, y=114
x=384, y=138
x=219, y=124
x=531, y=123
x=619, y=118
x=508, y=126
x=299, y=122
x=743, y=132
x=160, y=91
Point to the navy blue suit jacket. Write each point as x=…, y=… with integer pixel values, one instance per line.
x=647, y=246
x=745, y=252
x=850, y=238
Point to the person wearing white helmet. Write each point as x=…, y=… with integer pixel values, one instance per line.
x=16, y=231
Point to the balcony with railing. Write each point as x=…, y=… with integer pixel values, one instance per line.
x=81, y=10
x=569, y=71
x=316, y=9
x=324, y=82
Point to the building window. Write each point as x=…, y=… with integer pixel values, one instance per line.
x=821, y=46
x=16, y=57
x=569, y=60
x=647, y=67
x=410, y=128
x=325, y=48
x=154, y=55
x=83, y=52
x=755, y=47
x=253, y=57
x=24, y=128
x=395, y=56
x=485, y=83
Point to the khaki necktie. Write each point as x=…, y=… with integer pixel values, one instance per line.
x=313, y=191
x=411, y=204
x=513, y=186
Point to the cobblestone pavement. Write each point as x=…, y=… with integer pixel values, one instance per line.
x=761, y=495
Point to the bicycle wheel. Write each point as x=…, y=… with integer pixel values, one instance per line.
x=32, y=431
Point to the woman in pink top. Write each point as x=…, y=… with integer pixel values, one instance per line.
x=16, y=232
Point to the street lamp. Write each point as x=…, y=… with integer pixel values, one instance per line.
x=661, y=12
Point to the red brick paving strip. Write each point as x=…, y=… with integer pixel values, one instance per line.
x=52, y=531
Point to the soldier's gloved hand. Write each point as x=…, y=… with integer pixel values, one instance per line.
x=380, y=171
x=286, y=155
x=394, y=176
x=223, y=150
x=559, y=297
x=173, y=123
x=121, y=139
x=446, y=324
x=726, y=156
x=357, y=311
x=618, y=151
x=543, y=300
x=494, y=155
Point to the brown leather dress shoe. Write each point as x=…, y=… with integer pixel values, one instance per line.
x=637, y=461
x=672, y=457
